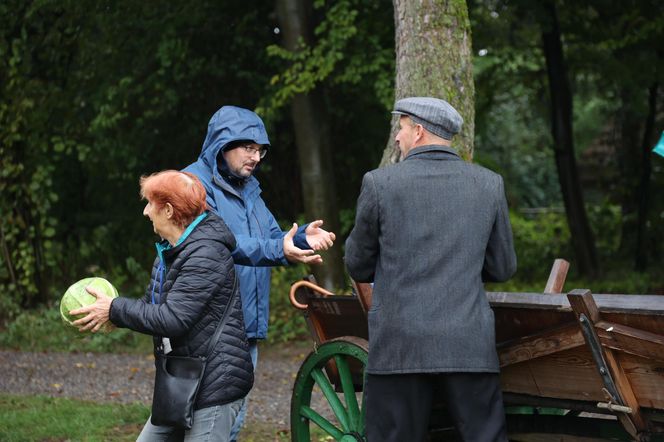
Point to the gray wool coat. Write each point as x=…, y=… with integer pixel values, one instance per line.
x=429, y=230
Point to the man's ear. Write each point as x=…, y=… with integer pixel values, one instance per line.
x=419, y=132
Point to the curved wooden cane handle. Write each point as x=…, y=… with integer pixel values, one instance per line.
x=310, y=285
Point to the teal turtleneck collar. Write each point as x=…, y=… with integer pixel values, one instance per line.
x=164, y=245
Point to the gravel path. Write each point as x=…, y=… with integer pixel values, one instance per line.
x=129, y=378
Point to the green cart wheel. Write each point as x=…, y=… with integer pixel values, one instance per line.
x=335, y=366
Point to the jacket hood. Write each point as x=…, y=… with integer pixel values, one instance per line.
x=228, y=124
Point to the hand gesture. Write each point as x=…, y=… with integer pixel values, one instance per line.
x=296, y=254
x=318, y=238
x=97, y=313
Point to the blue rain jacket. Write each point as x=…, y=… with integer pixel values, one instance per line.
x=259, y=237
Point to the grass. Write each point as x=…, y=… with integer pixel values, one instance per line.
x=42, y=418
x=49, y=419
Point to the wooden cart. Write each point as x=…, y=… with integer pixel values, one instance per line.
x=574, y=367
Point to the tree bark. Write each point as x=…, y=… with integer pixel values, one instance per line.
x=434, y=58
x=627, y=150
x=583, y=242
x=643, y=192
x=312, y=137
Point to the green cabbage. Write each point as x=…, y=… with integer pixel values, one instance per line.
x=76, y=296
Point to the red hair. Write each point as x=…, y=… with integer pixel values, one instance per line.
x=183, y=190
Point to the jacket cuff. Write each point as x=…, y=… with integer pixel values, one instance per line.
x=300, y=238
x=114, y=311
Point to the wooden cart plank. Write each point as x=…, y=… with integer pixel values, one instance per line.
x=541, y=344
x=647, y=379
x=557, y=277
x=518, y=378
x=631, y=340
x=568, y=374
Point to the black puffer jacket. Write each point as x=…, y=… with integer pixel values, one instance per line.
x=195, y=290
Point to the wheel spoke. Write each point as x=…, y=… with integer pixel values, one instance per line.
x=331, y=396
x=349, y=391
x=319, y=420
x=349, y=354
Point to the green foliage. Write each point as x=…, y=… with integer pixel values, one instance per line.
x=311, y=65
x=41, y=418
x=347, y=218
x=606, y=221
x=286, y=322
x=44, y=330
x=92, y=95
x=511, y=148
x=610, y=56
x=542, y=237
x=347, y=49
x=26, y=156
x=538, y=241
x=615, y=281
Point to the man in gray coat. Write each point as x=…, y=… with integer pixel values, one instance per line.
x=429, y=230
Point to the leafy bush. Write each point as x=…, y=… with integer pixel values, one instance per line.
x=617, y=282
x=286, y=323
x=622, y=282
x=538, y=241
x=606, y=222
x=44, y=330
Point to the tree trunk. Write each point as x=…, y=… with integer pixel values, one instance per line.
x=583, y=242
x=629, y=133
x=643, y=192
x=312, y=137
x=434, y=58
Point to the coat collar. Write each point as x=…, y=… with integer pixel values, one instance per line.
x=247, y=192
x=163, y=245
x=433, y=148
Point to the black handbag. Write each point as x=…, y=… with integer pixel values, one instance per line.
x=177, y=380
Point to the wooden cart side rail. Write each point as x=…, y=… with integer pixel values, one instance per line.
x=611, y=303
x=554, y=285
x=651, y=305
x=364, y=292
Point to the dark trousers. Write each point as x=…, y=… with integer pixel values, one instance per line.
x=398, y=407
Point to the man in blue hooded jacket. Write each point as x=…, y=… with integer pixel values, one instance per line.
x=235, y=144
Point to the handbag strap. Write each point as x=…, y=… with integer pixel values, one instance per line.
x=224, y=319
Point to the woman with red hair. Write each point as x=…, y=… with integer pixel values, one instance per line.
x=193, y=283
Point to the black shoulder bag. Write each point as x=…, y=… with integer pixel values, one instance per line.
x=177, y=381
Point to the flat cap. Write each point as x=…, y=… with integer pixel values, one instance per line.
x=435, y=115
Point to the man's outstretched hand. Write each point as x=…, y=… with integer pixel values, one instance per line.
x=296, y=254
x=319, y=239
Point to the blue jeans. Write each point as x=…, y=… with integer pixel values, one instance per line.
x=210, y=424
x=239, y=420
